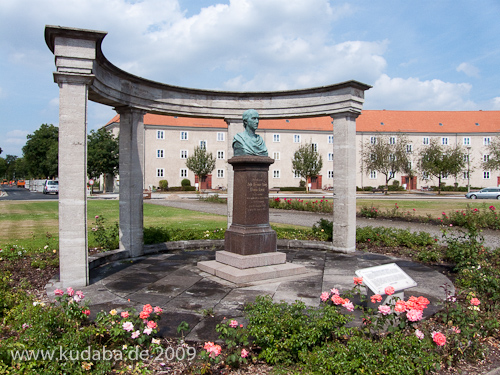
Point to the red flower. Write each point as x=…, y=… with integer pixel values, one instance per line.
x=439, y=338
x=358, y=280
x=389, y=290
x=86, y=312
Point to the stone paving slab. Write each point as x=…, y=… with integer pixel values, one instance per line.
x=186, y=293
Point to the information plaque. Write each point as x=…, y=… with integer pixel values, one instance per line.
x=379, y=277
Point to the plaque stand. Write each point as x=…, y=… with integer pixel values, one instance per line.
x=250, y=242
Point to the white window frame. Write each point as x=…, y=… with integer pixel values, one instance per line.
x=203, y=144
x=276, y=173
x=160, y=153
x=409, y=148
x=314, y=147
x=486, y=157
x=184, y=154
x=330, y=156
x=220, y=136
x=486, y=141
x=466, y=158
x=393, y=140
x=184, y=136
x=160, y=172
x=296, y=174
x=425, y=140
x=160, y=134
x=221, y=154
x=183, y=172
x=445, y=141
x=220, y=173
x=444, y=177
x=486, y=175
x=373, y=140
x=373, y=175
x=330, y=139
x=466, y=141
x=276, y=138
x=466, y=175
x=276, y=155
x=330, y=174
x=296, y=138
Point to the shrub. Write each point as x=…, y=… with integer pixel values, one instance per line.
x=292, y=188
x=185, y=182
x=156, y=235
x=163, y=184
x=106, y=238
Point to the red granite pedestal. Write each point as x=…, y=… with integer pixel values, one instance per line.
x=250, y=242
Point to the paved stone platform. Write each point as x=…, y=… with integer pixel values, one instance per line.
x=173, y=282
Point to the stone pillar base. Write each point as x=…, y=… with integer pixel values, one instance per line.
x=250, y=261
x=250, y=239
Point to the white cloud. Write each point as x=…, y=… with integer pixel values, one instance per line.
x=17, y=134
x=495, y=103
x=414, y=94
x=469, y=69
x=54, y=102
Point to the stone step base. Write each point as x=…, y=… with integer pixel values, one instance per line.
x=248, y=275
x=250, y=261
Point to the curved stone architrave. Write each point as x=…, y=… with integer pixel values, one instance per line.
x=79, y=58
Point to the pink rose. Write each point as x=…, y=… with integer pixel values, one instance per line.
x=358, y=280
x=439, y=338
x=58, y=292
x=128, y=326
x=475, y=302
x=86, y=312
x=152, y=324
x=389, y=290
x=158, y=310
x=70, y=291
x=414, y=315
x=147, y=331
x=324, y=296
x=335, y=291
x=349, y=306
x=147, y=308
x=384, y=310
x=80, y=294
x=233, y=324
x=136, y=334
x=124, y=314
x=337, y=300
x=376, y=298
x=400, y=306
x=419, y=334
x=244, y=353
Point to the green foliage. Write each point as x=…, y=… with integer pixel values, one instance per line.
x=493, y=149
x=185, y=182
x=369, y=212
x=156, y=235
x=285, y=331
x=201, y=163
x=235, y=337
x=318, y=205
x=163, y=185
x=464, y=247
x=106, y=238
x=102, y=153
x=214, y=198
x=307, y=162
x=293, y=188
x=41, y=152
x=438, y=161
x=325, y=227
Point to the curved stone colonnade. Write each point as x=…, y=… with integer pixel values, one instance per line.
x=83, y=72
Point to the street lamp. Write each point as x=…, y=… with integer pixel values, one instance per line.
x=468, y=169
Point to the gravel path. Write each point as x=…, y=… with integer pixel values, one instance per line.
x=308, y=219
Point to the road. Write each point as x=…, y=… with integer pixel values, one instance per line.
x=15, y=194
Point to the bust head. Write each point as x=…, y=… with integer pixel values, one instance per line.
x=251, y=117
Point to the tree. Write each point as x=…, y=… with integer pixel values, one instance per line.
x=3, y=168
x=41, y=152
x=10, y=161
x=307, y=162
x=387, y=155
x=441, y=161
x=102, y=154
x=201, y=163
x=493, y=162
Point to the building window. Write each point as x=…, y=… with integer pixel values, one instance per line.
x=220, y=137
x=392, y=157
x=330, y=156
x=486, y=175
x=184, y=136
x=276, y=137
x=444, y=141
x=330, y=139
x=444, y=176
x=203, y=145
x=409, y=148
x=466, y=158
x=296, y=174
x=276, y=155
x=160, y=134
x=373, y=140
x=486, y=158
x=160, y=154
x=330, y=174
x=392, y=140
x=425, y=175
x=184, y=154
x=466, y=175
x=314, y=147
x=276, y=173
x=159, y=172
x=220, y=173
x=466, y=141
x=486, y=141
x=373, y=174
x=221, y=154
x=184, y=172
x=296, y=138
x=425, y=140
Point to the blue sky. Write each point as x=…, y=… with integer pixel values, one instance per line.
x=417, y=55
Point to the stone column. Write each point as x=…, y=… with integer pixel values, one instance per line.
x=73, y=244
x=344, y=182
x=234, y=126
x=131, y=179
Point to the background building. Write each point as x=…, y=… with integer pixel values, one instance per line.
x=169, y=140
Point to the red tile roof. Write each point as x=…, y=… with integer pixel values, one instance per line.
x=368, y=121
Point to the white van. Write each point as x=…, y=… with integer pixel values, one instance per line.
x=51, y=186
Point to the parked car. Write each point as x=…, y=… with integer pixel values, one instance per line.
x=51, y=186
x=486, y=193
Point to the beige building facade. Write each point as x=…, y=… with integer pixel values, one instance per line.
x=170, y=140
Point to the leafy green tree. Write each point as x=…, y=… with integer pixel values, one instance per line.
x=307, y=162
x=21, y=168
x=386, y=154
x=10, y=160
x=201, y=163
x=41, y=152
x=3, y=168
x=493, y=162
x=102, y=154
x=441, y=161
